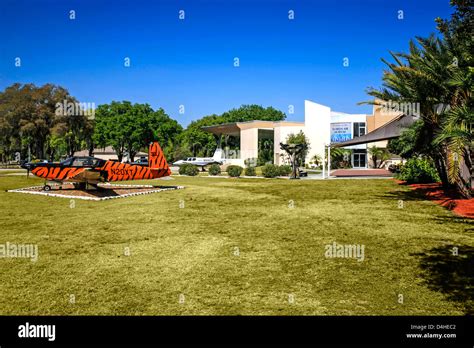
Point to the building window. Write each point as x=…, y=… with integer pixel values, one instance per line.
x=359, y=129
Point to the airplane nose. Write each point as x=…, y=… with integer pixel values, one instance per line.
x=30, y=166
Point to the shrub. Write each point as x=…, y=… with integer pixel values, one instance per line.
x=234, y=171
x=192, y=170
x=250, y=171
x=418, y=170
x=270, y=171
x=188, y=169
x=284, y=170
x=182, y=168
x=214, y=169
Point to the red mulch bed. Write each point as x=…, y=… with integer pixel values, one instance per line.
x=451, y=200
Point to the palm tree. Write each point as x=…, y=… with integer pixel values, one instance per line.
x=377, y=154
x=457, y=132
x=431, y=75
x=317, y=160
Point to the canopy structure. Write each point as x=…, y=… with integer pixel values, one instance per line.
x=390, y=130
x=250, y=132
x=226, y=128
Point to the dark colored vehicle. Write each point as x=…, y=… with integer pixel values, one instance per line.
x=302, y=173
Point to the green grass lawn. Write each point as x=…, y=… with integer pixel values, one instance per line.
x=237, y=248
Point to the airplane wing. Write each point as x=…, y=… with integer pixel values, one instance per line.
x=83, y=175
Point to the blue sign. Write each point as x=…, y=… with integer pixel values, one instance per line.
x=341, y=131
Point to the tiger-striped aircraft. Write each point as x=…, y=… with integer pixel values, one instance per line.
x=87, y=172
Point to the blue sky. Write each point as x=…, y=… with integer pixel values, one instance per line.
x=190, y=62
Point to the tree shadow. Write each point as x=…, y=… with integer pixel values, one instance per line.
x=412, y=195
x=450, y=274
x=419, y=195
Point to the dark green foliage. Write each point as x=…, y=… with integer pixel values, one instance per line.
x=270, y=171
x=437, y=74
x=188, y=169
x=265, y=151
x=214, y=169
x=234, y=171
x=284, y=170
x=132, y=127
x=340, y=158
x=413, y=141
x=418, y=170
x=300, y=138
x=250, y=171
x=45, y=119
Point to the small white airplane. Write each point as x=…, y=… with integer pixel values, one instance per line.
x=202, y=161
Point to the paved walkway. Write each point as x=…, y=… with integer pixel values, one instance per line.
x=361, y=172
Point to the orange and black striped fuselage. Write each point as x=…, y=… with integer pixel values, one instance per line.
x=94, y=170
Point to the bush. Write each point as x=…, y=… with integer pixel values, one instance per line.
x=234, y=171
x=284, y=170
x=418, y=170
x=250, y=171
x=214, y=169
x=270, y=171
x=188, y=169
x=182, y=168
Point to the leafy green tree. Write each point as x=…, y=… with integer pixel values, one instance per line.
x=29, y=117
x=299, y=138
x=378, y=154
x=109, y=130
x=340, y=157
x=317, y=160
x=131, y=127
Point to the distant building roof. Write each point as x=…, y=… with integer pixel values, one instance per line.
x=390, y=130
x=234, y=128
x=108, y=150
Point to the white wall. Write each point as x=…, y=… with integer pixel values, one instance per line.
x=248, y=143
x=317, y=120
x=281, y=132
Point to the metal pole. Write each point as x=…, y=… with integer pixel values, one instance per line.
x=329, y=160
x=324, y=162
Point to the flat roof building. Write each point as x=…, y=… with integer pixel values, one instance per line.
x=321, y=126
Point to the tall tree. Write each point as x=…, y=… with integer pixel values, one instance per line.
x=437, y=74
x=29, y=117
x=131, y=127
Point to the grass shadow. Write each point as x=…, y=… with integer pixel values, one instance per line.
x=450, y=274
x=419, y=195
x=411, y=195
